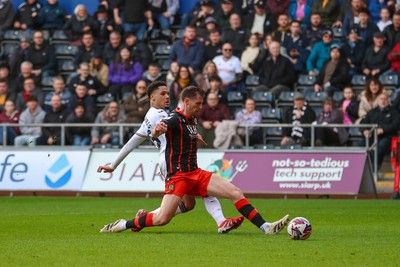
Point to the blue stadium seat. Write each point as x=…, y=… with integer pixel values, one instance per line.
x=338, y=97
x=315, y=98
x=389, y=81
x=263, y=99
x=285, y=99
x=271, y=115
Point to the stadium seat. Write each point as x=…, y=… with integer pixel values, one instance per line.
x=47, y=81
x=179, y=33
x=306, y=79
x=65, y=51
x=162, y=51
x=156, y=37
x=264, y=147
x=393, y=96
x=337, y=33
x=59, y=36
x=263, y=99
x=273, y=135
x=389, y=81
x=66, y=66
x=103, y=100
x=236, y=98
x=291, y=147
x=8, y=48
x=11, y=35
x=355, y=136
x=285, y=99
x=271, y=115
x=338, y=97
x=125, y=96
x=315, y=98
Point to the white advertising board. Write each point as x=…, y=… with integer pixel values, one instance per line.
x=139, y=172
x=42, y=170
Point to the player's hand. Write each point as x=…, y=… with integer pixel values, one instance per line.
x=201, y=140
x=160, y=129
x=106, y=169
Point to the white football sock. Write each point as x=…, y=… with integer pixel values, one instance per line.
x=265, y=227
x=178, y=211
x=214, y=209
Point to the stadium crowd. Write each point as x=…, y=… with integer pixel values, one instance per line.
x=290, y=61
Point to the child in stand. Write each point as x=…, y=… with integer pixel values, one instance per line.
x=349, y=106
x=385, y=19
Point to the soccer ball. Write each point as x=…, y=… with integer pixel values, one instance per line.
x=299, y=228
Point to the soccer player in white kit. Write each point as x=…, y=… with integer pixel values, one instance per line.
x=159, y=99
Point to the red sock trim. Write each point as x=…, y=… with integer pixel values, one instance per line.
x=241, y=203
x=149, y=219
x=253, y=213
x=136, y=222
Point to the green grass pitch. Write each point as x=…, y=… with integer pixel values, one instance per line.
x=64, y=231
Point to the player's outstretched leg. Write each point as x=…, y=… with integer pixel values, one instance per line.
x=221, y=188
x=115, y=227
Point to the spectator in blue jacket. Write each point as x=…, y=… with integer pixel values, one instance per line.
x=51, y=16
x=188, y=51
x=124, y=73
x=320, y=53
x=301, y=10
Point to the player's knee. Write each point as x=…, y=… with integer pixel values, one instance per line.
x=236, y=194
x=164, y=220
x=188, y=205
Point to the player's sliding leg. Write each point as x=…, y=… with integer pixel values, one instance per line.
x=221, y=188
x=225, y=225
x=187, y=204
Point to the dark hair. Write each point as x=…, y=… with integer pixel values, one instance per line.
x=295, y=21
x=3, y=81
x=191, y=92
x=368, y=93
x=215, y=78
x=154, y=86
x=154, y=64
x=178, y=76
x=32, y=98
x=118, y=60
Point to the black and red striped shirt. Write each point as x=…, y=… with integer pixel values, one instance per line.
x=181, y=149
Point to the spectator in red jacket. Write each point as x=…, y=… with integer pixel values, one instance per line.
x=394, y=58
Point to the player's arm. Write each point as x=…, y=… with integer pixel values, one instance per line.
x=136, y=140
x=161, y=128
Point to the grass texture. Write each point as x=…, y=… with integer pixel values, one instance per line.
x=64, y=231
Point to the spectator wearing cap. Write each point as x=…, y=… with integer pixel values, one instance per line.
x=223, y=14
x=79, y=23
x=210, y=24
x=140, y=50
x=206, y=11
x=105, y=25
x=33, y=114
x=278, y=7
x=79, y=136
x=354, y=50
x=261, y=21
x=313, y=33
x=277, y=73
x=6, y=16
x=99, y=70
x=320, y=53
x=188, y=51
x=351, y=17
x=299, y=113
x=87, y=49
x=366, y=28
x=26, y=12
x=301, y=10
x=136, y=15
x=282, y=32
x=213, y=46
x=16, y=57
x=334, y=75
x=392, y=32
x=81, y=96
x=329, y=10
x=229, y=69
x=58, y=89
x=375, y=60
x=295, y=47
x=236, y=34
x=51, y=16
x=112, y=47
x=42, y=56
x=95, y=88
